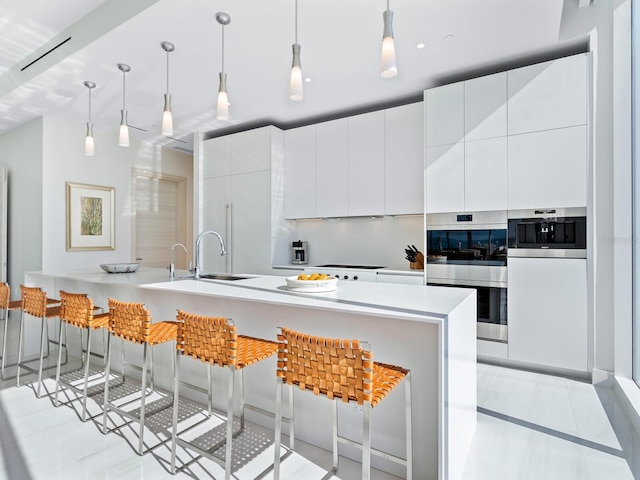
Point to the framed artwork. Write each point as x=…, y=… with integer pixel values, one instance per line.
x=90, y=217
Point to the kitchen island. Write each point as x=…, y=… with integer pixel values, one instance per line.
x=430, y=330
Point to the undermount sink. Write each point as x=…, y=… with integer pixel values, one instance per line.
x=222, y=276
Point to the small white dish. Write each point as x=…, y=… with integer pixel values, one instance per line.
x=119, y=267
x=307, y=286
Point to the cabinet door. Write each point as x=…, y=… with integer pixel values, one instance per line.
x=444, y=109
x=216, y=213
x=332, y=168
x=300, y=172
x=548, y=169
x=401, y=279
x=366, y=164
x=444, y=178
x=547, y=311
x=548, y=95
x=251, y=150
x=216, y=158
x=404, y=159
x=485, y=174
x=485, y=107
x=250, y=249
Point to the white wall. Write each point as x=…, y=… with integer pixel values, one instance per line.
x=21, y=151
x=64, y=161
x=368, y=241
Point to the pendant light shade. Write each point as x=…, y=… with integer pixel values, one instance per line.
x=89, y=147
x=295, y=84
x=123, y=138
x=167, y=117
x=223, y=97
x=388, y=67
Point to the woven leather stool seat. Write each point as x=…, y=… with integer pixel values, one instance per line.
x=6, y=305
x=340, y=370
x=215, y=340
x=131, y=322
x=77, y=310
x=34, y=302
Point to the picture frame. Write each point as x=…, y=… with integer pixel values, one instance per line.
x=90, y=217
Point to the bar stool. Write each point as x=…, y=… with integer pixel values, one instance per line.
x=131, y=322
x=34, y=303
x=215, y=340
x=339, y=369
x=6, y=305
x=77, y=310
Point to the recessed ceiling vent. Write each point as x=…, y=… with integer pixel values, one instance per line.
x=45, y=54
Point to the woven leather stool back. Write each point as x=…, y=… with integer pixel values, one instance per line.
x=34, y=301
x=210, y=339
x=5, y=295
x=76, y=309
x=129, y=321
x=332, y=367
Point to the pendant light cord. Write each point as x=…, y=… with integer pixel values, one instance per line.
x=296, y=22
x=90, y=105
x=222, y=48
x=124, y=86
x=167, y=71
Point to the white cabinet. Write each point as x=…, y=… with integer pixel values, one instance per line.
x=548, y=169
x=404, y=279
x=444, y=187
x=245, y=207
x=548, y=95
x=366, y=164
x=332, y=168
x=485, y=175
x=444, y=114
x=485, y=107
x=300, y=172
x=217, y=157
x=547, y=311
x=404, y=159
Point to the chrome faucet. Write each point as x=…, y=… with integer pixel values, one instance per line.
x=172, y=267
x=223, y=251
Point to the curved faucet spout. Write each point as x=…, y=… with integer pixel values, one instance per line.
x=223, y=250
x=172, y=266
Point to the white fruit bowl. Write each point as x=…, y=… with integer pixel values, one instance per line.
x=327, y=285
x=119, y=267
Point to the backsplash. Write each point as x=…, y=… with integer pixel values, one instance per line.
x=362, y=240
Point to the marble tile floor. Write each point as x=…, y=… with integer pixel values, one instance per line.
x=530, y=426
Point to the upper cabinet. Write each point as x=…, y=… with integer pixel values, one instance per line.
x=242, y=152
x=404, y=159
x=366, y=164
x=548, y=95
x=300, y=172
x=520, y=139
x=485, y=107
x=217, y=157
x=444, y=108
x=369, y=164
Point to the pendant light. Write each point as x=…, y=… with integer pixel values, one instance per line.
x=167, y=118
x=295, y=84
x=88, y=141
x=223, y=99
x=388, y=67
x=123, y=139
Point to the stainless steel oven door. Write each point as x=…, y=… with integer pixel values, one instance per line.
x=490, y=284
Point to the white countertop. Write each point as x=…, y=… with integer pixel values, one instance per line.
x=416, y=302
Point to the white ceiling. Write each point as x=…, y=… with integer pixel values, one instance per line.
x=340, y=40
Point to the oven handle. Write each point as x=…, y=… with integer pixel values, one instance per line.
x=547, y=252
x=465, y=283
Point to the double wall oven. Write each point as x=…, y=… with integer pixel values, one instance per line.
x=470, y=250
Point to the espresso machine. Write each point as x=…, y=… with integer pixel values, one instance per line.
x=299, y=249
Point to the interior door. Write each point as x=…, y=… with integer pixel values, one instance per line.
x=159, y=220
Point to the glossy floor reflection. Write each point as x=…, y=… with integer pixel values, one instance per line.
x=530, y=426
x=533, y=426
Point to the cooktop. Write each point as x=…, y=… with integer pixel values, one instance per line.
x=363, y=267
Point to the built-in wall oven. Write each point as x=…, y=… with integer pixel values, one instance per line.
x=470, y=250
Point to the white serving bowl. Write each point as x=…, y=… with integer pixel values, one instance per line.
x=119, y=267
x=328, y=284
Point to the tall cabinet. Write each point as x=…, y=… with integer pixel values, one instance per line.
x=241, y=199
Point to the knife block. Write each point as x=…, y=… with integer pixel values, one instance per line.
x=419, y=263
